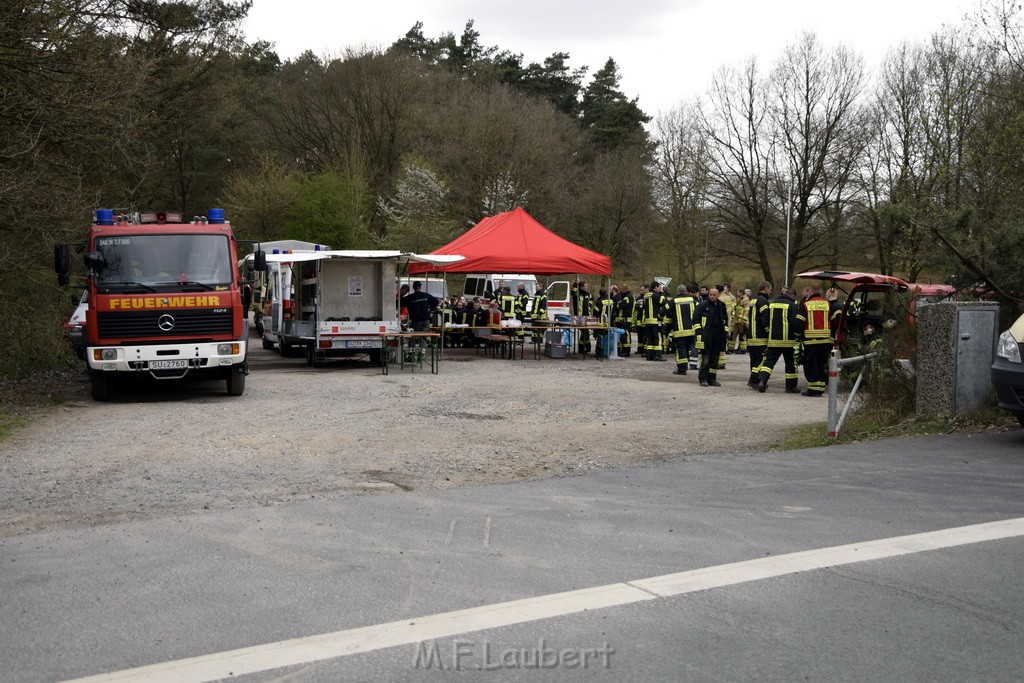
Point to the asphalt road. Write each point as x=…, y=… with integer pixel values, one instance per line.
x=112, y=597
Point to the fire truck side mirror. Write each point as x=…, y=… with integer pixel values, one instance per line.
x=259, y=259
x=62, y=264
x=95, y=261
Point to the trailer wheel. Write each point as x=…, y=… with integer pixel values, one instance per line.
x=100, y=385
x=311, y=358
x=288, y=350
x=236, y=381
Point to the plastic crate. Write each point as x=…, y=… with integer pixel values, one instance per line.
x=555, y=350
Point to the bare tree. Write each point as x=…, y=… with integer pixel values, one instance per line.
x=679, y=173
x=815, y=96
x=499, y=149
x=260, y=197
x=615, y=212
x=741, y=157
x=360, y=112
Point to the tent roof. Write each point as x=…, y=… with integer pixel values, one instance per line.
x=513, y=242
x=296, y=255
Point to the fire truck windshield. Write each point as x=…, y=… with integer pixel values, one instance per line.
x=165, y=261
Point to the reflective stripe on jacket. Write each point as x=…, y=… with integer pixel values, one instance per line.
x=783, y=323
x=682, y=309
x=757, y=332
x=815, y=316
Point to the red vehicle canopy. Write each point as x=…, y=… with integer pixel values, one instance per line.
x=864, y=279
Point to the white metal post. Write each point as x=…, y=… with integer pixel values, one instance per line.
x=833, y=392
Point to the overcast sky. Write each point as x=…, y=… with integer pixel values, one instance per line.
x=667, y=50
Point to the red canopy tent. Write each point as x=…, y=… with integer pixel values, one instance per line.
x=513, y=242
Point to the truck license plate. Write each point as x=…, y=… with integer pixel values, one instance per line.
x=358, y=344
x=167, y=364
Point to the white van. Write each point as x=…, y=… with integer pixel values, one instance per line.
x=485, y=285
x=558, y=291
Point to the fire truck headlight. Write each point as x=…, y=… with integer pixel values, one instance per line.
x=104, y=354
x=227, y=349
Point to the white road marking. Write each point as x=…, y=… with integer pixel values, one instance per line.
x=409, y=631
x=451, y=530
x=487, y=532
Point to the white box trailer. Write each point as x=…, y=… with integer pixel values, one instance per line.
x=331, y=303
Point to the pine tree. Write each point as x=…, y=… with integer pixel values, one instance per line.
x=612, y=120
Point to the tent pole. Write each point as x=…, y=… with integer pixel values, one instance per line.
x=608, y=289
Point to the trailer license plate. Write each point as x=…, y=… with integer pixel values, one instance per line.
x=168, y=364
x=359, y=344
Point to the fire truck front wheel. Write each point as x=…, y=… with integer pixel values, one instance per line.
x=236, y=381
x=100, y=382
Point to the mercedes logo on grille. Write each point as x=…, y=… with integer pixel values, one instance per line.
x=165, y=323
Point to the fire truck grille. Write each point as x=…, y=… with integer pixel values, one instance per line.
x=172, y=323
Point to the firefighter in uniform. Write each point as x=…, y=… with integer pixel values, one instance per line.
x=523, y=307
x=507, y=306
x=758, y=339
x=652, y=306
x=638, y=317
x=539, y=311
x=582, y=306
x=819, y=319
x=603, y=307
x=738, y=343
x=725, y=295
x=456, y=337
x=681, y=324
x=666, y=314
x=781, y=319
x=712, y=324
x=624, y=309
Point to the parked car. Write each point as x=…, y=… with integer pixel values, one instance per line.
x=73, y=327
x=1008, y=370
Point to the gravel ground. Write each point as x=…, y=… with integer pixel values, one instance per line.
x=345, y=429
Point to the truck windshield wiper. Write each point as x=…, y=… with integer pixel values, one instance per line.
x=126, y=285
x=190, y=283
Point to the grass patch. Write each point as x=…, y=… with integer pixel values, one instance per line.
x=871, y=425
x=23, y=400
x=10, y=423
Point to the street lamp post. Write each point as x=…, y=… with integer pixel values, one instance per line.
x=789, y=212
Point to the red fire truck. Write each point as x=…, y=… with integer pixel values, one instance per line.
x=164, y=299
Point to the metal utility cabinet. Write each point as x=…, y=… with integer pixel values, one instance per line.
x=955, y=348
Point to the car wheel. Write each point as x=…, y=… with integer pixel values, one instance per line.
x=236, y=381
x=100, y=385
